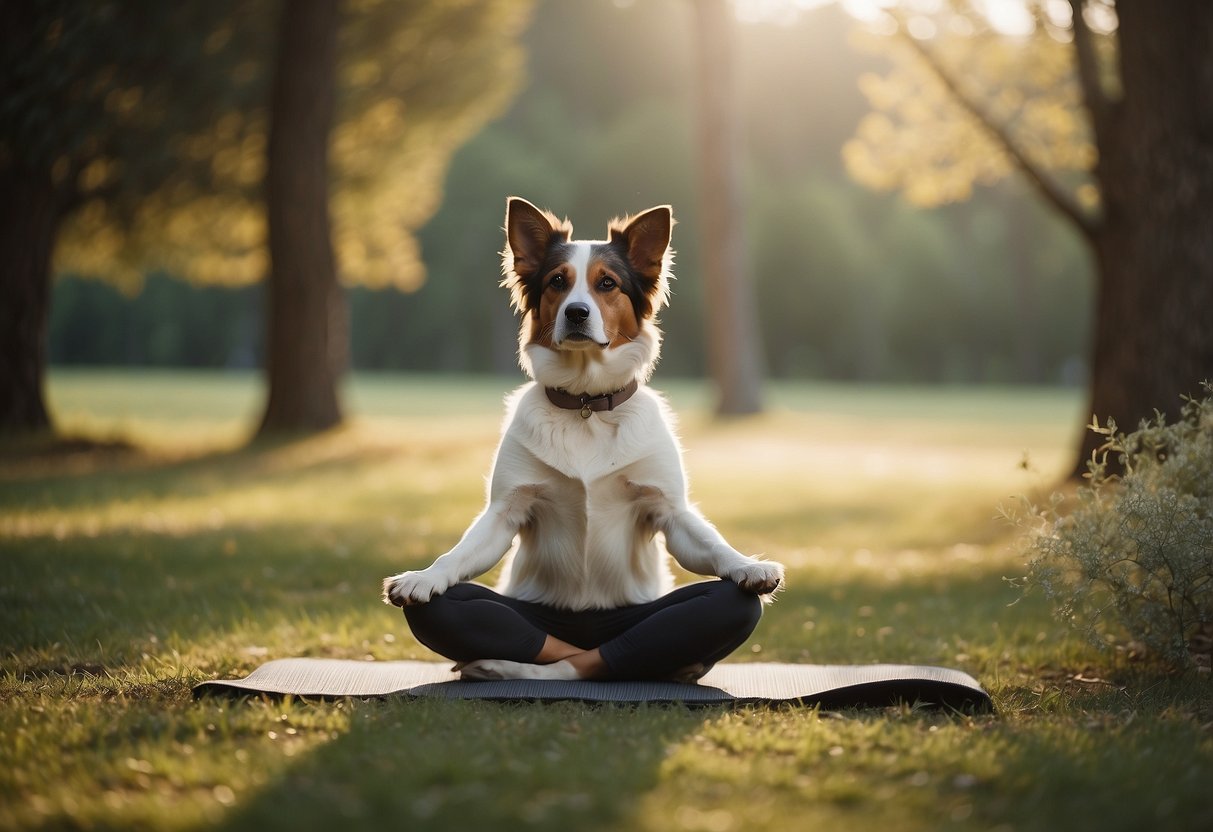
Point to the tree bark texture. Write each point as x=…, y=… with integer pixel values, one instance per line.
x=307, y=325
x=734, y=351
x=29, y=218
x=1153, y=338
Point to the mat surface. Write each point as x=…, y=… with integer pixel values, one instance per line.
x=829, y=685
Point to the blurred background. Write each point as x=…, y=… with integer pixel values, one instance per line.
x=597, y=119
x=866, y=191
x=924, y=239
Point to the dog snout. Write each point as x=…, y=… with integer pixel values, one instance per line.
x=577, y=313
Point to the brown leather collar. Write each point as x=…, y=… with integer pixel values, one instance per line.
x=590, y=404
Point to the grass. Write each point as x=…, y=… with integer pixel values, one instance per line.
x=129, y=572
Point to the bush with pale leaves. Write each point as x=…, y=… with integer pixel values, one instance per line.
x=1131, y=563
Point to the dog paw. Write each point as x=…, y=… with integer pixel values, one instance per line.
x=413, y=588
x=762, y=577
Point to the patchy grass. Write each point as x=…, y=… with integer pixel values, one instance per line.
x=130, y=572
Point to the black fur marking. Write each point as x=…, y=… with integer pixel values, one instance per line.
x=615, y=255
x=557, y=253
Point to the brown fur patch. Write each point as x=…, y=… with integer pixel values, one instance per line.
x=618, y=313
x=543, y=317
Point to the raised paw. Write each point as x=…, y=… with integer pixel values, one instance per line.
x=413, y=588
x=762, y=577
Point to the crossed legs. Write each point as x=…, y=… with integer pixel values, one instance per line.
x=678, y=636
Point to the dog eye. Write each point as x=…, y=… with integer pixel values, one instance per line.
x=557, y=281
x=607, y=283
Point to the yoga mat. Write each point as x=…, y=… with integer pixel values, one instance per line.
x=833, y=686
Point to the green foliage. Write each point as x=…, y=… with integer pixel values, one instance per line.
x=1134, y=559
x=850, y=284
x=170, y=323
x=93, y=94
x=920, y=141
x=415, y=80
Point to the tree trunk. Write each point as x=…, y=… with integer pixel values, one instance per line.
x=734, y=351
x=1027, y=307
x=1154, y=249
x=29, y=219
x=307, y=328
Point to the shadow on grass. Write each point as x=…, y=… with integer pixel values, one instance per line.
x=465, y=765
x=454, y=765
x=931, y=620
x=99, y=475
x=233, y=598
x=250, y=590
x=1128, y=764
x=109, y=599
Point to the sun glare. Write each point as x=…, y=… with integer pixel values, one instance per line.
x=782, y=12
x=1007, y=17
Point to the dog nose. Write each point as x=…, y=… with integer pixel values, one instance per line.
x=577, y=312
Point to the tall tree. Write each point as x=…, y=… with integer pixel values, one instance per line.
x=90, y=98
x=734, y=349
x=29, y=214
x=412, y=82
x=306, y=325
x=1147, y=211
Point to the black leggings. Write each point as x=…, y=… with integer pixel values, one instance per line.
x=695, y=624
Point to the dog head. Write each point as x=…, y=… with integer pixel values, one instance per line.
x=588, y=307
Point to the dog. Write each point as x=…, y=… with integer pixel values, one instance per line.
x=587, y=491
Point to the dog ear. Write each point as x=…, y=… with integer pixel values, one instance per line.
x=645, y=238
x=528, y=233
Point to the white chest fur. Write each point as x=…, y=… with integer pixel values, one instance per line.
x=590, y=541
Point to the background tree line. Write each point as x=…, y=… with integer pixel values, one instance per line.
x=1101, y=107
x=925, y=316
x=850, y=284
x=230, y=142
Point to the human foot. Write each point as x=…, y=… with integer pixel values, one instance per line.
x=690, y=674
x=585, y=665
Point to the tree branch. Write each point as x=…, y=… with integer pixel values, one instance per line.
x=1052, y=191
x=1093, y=94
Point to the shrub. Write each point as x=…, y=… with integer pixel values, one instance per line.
x=1130, y=561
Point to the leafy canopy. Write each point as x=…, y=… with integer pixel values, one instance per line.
x=414, y=81
x=962, y=98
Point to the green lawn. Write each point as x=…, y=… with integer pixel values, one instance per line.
x=134, y=569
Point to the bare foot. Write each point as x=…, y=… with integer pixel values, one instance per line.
x=488, y=670
x=587, y=664
x=690, y=674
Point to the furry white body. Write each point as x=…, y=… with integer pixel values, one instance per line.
x=588, y=507
x=586, y=499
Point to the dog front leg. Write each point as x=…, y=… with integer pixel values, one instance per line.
x=481, y=547
x=699, y=547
